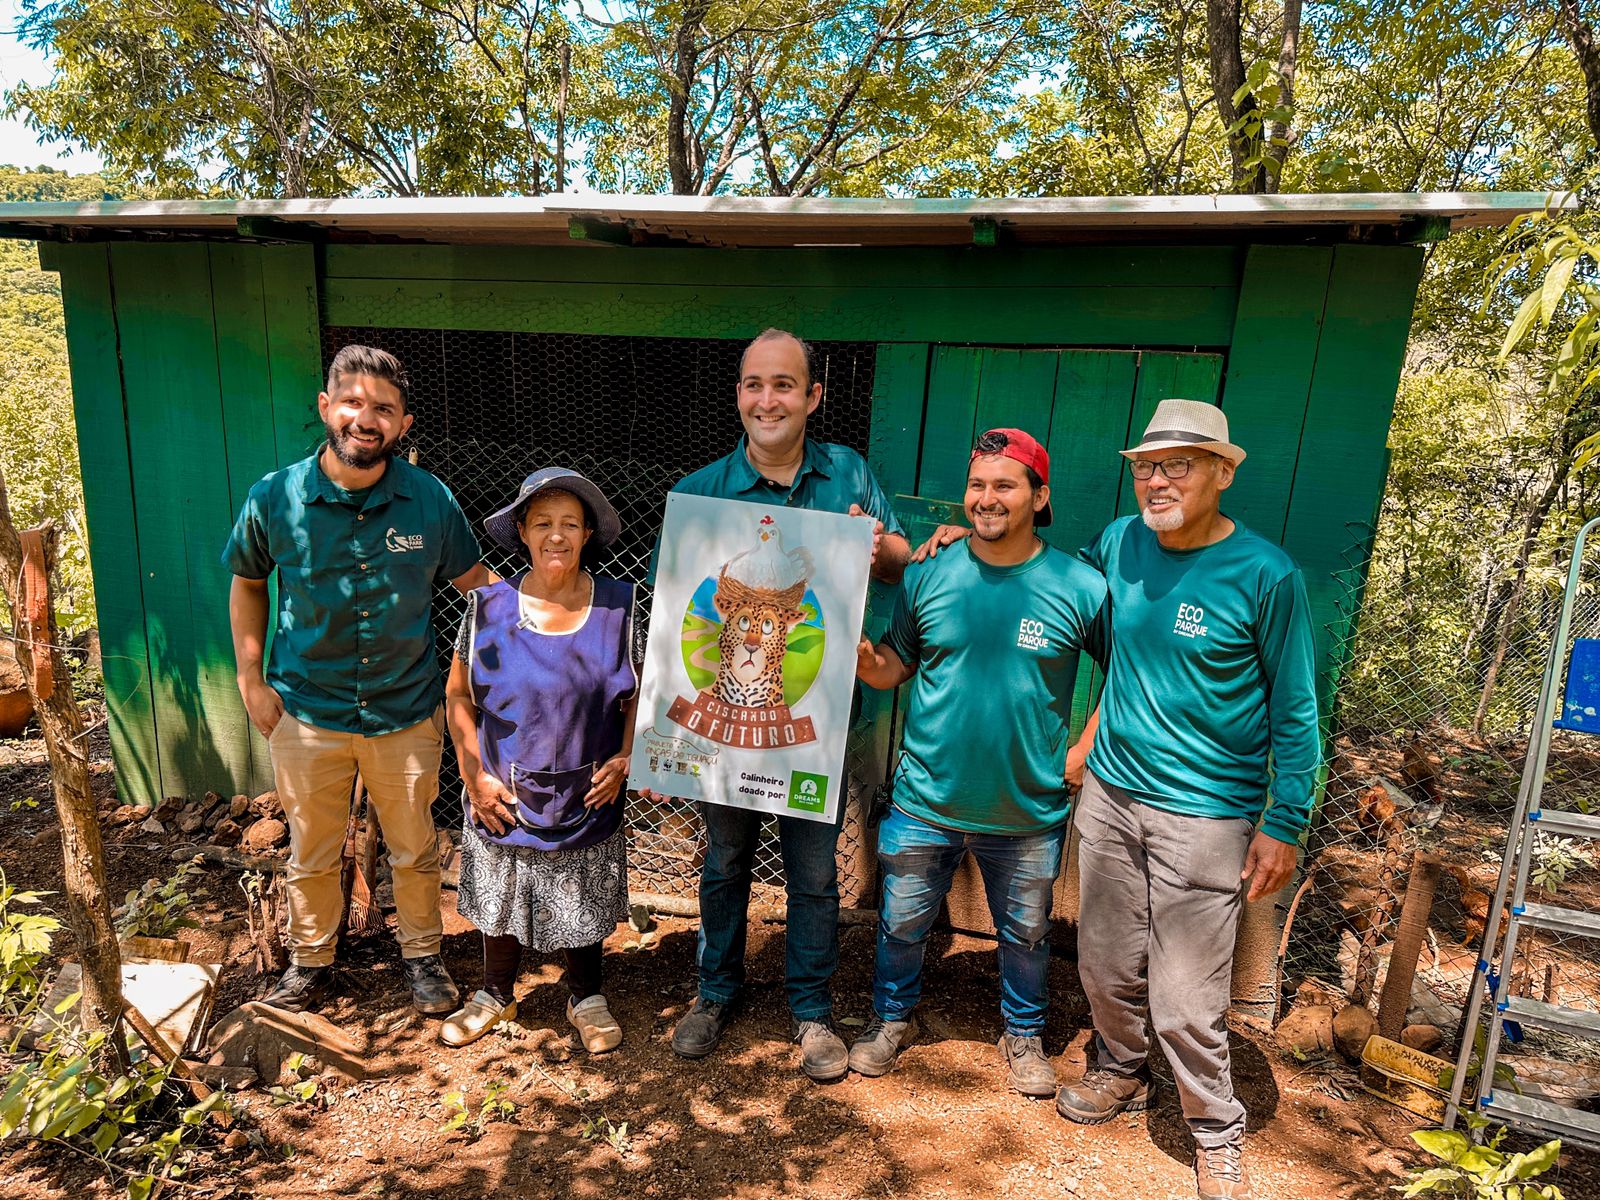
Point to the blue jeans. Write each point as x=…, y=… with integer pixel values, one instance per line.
x=919, y=860
x=811, y=873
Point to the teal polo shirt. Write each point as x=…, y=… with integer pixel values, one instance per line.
x=1210, y=703
x=996, y=651
x=354, y=647
x=830, y=479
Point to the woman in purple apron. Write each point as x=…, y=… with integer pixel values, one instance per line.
x=540, y=705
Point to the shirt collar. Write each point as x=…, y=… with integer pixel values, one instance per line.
x=319, y=487
x=746, y=478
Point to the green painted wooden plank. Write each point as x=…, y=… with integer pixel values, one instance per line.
x=1017, y=390
x=899, y=390
x=97, y=403
x=1268, y=383
x=1088, y=425
x=1339, y=481
x=244, y=377
x=294, y=346
x=1161, y=377
x=1004, y=315
x=183, y=507
x=951, y=422
x=1077, y=266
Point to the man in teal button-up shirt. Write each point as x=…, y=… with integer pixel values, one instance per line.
x=359, y=539
x=775, y=462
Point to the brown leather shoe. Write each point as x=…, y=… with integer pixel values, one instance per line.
x=1101, y=1095
x=1219, y=1174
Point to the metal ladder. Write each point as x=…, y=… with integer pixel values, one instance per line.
x=1492, y=975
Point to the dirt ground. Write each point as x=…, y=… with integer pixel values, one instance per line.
x=743, y=1123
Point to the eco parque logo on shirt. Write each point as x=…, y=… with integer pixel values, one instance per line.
x=399, y=543
x=1031, y=635
x=1190, y=622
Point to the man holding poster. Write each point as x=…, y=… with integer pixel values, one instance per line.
x=990, y=634
x=757, y=598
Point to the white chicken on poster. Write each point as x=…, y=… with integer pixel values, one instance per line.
x=750, y=667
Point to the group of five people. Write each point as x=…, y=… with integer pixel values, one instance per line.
x=1193, y=778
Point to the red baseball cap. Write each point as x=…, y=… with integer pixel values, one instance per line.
x=1025, y=449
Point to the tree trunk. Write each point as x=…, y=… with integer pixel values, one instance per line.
x=1224, y=34
x=561, y=117
x=1508, y=597
x=685, y=65
x=1282, y=136
x=88, y=902
x=1580, y=36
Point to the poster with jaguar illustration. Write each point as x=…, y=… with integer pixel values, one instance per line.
x=750, y=667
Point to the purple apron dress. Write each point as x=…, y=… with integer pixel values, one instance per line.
x=549, y=713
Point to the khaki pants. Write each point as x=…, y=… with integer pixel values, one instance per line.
x=315, y=770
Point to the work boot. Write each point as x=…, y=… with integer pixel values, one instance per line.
x=301, y=989
x=823, y=1056
x=432, y=990
x=1030, y=1071
x=701, y=1028
x=1219, y=1174
x=880, y=1043
x=1101, y=1095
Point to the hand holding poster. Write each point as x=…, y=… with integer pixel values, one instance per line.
x=750, y=668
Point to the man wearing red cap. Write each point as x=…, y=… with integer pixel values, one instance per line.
x=990, y=635
x=1197, y=777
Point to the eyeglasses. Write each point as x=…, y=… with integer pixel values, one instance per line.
x=1172, y=468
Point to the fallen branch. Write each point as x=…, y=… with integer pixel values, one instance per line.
x=220, y=856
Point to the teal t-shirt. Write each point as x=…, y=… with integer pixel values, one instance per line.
x=1212, y=676
x=995, y=651
x=354, y=645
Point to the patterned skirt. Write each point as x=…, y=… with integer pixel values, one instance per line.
x=546, y=899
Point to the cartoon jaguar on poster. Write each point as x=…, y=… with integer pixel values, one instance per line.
x=760, y=596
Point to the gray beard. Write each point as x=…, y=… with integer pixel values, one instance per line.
x=1163, y=522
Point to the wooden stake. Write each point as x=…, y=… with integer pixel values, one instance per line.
x=83, y=856
x=157, y=1045
x=1408, y=941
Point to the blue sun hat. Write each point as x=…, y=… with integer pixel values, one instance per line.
x=501, y=525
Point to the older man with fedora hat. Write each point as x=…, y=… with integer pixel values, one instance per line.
x=1196, y=774
x=1198, y=780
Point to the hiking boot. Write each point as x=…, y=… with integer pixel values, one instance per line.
x=432, y=990
x=481, y=1013
x=597, y=1028
x=1030, y=1071
x=1219, y=1174
x=880, y=1043
x=1101, y=1095
x=823, y=1056
x=701, y=1028
x=301, y=989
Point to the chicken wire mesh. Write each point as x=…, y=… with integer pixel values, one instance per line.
x=1431, y=730
x=634, y=414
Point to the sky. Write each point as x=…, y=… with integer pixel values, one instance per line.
x=19, y=145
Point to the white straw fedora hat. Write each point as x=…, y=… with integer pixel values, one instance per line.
x=1188, y=423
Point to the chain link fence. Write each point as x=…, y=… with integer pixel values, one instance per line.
x=1431, y=729
x=635, y=415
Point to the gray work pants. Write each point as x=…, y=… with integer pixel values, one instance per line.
x=1159, y=907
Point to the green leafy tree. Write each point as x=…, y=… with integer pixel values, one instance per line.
x=38, y=439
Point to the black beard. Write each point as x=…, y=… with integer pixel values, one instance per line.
x=988, y=537
x=350, y=456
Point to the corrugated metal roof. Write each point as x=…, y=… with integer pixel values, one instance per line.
x=769, y=221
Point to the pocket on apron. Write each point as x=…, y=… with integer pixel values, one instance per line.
x=550, y=803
